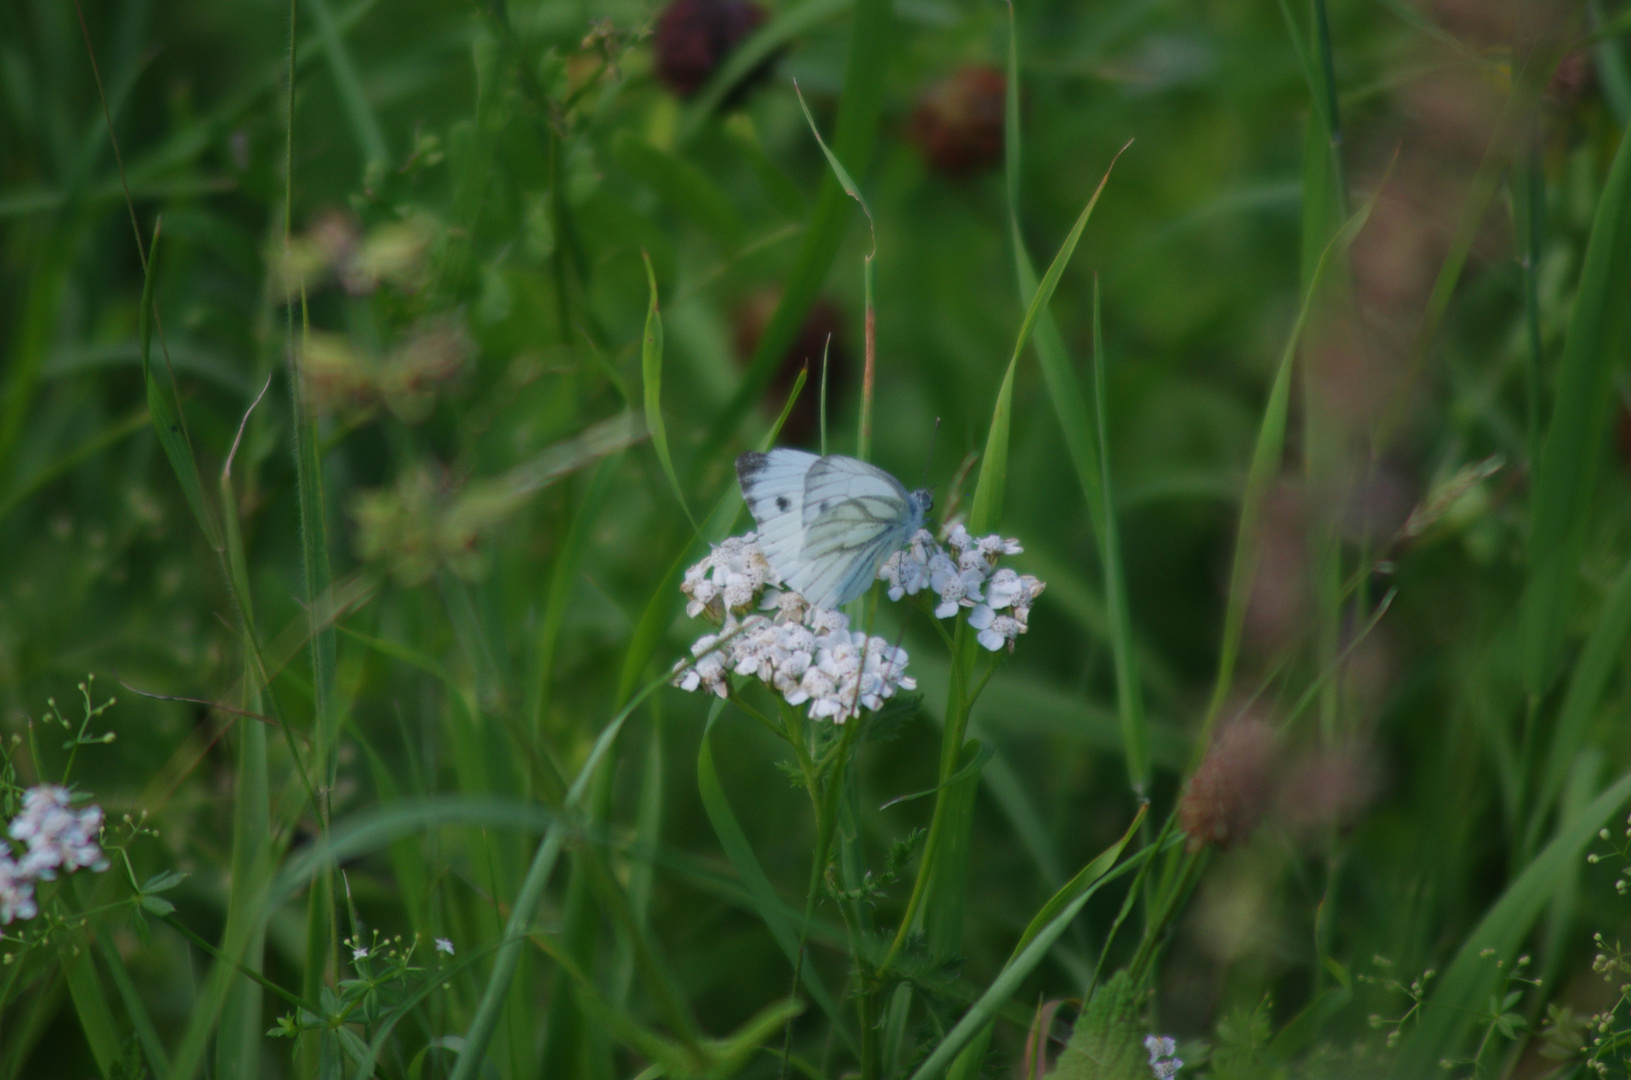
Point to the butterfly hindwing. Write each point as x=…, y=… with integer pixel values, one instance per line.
x=825, y=523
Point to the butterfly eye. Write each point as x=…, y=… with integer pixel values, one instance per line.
x=924, y=498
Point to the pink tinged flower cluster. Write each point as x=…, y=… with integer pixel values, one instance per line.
x=57, y=837
x=808, y=655
x=966, y=578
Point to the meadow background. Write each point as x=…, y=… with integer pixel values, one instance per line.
x=354, y=438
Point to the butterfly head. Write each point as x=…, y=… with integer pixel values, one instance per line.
x=922, y=503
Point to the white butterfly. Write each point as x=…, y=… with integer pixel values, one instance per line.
x=827, y=523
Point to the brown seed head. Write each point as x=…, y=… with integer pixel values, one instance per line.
x=1227, y=795
x=693, y=37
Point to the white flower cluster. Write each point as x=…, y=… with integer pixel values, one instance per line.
x=998, y=600
x=809, y=655
x=58, y=838
x=729, y=579
x=1162, y=1062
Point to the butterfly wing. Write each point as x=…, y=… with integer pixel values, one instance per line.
x=773, y=487
x=826, y=523
x=854, y=515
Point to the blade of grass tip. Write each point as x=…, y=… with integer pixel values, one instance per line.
x=651, y=372
x=772, y=912
x=988, y=489
x=863, y=439
x=482, y=1025
x=364, y=124
x=1457, y=1001
x=1049, y=923
x=1086, y=439
x=659, y=612
x=1575, y=437
x=789, y=23
x=1260, y=475
x=859, y=108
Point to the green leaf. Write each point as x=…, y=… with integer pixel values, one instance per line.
x=91, y=1004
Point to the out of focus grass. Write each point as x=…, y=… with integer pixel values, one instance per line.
x=400, y=669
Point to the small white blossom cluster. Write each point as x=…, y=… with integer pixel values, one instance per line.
x=729, y=579
x=1162, y=1062
x=58, y=837
x=998, y=600
x=809, y=655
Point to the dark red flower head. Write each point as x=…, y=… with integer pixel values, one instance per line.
x=694, y=36
x=958, y=123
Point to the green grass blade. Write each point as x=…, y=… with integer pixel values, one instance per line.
x=859, y=108
x=1086, y=440
x=1455, y=1005
x=782, y=192
x=1598, y=661
x=771, y=910
x=1049, y=923
x=364, y=124
x=1265, y=465
x=1575, y=437
x=166, y=423
x=483, y=1024
x=140, y=1019
x=845, y=181
x=988, y=490
x=651, y=373
x=91, y=1006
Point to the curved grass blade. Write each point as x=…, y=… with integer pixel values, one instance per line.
x=1045, y=928
x=651, y=373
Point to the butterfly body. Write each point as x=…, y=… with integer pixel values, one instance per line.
x=827, y=523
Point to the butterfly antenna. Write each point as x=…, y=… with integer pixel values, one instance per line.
x=928, y=463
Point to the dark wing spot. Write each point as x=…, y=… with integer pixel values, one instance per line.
x=824, y=504
x=783, y=503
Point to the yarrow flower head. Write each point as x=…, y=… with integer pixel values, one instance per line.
x=729, y=579
x=1162, y=1062
x=58, y=837
x=809, y=655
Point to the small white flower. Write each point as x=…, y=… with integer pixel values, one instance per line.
x=444, y=945
x=359, y=953
x=995, y=630
x=956, y=587
x=907, y=571
x=16, y=892
x=1162, y=1062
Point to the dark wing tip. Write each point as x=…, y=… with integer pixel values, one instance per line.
x=747, y=465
